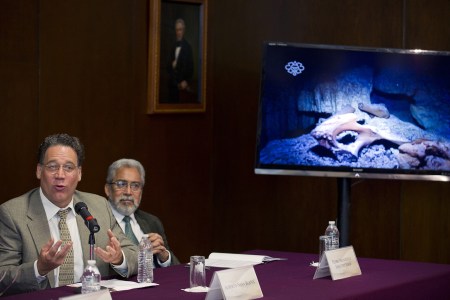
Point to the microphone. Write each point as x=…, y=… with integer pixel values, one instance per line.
x=91, y=223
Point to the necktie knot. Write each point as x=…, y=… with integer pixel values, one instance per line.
x=127, y=219
x=63, y=213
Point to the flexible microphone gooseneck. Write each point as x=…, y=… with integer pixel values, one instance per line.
x=91, y=223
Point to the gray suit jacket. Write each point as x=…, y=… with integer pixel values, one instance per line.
x=24, y=230
x=151, y=223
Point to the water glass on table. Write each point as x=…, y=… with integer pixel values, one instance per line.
x=324, y=244
x=197, y=275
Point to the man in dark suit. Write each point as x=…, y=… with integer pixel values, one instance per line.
x=124, y=183
x=181, y=65
x=36, y=250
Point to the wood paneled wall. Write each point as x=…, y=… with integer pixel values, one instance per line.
x=81, y=67
x=389, y=219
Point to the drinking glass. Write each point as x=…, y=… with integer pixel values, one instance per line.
x=197, y=275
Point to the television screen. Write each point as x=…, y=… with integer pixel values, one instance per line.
x=354, y=112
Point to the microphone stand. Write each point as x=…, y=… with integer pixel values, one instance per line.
x=91, y=246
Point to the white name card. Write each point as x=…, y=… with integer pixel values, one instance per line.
x=100, y=295
x=238, y=283
x=340, y=263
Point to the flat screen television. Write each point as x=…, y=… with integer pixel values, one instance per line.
x=339, y=111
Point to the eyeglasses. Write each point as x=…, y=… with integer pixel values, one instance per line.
x=54, y=168
x=123, y=185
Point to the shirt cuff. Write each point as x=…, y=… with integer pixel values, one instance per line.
x=166, y=263
x=122, y=269
x=39, y=277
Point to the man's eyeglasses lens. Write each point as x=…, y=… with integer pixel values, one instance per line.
x=122, y=185
x=67, y=168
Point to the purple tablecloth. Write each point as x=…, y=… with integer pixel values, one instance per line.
x=292, y=279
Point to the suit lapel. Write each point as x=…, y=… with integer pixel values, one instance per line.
x=142, y=222
x=38, y=226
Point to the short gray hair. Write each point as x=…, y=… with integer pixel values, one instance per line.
x=124, y=162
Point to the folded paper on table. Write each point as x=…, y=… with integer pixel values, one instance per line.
x=238, y=283
x=339, y=263
x=120, y=285
x=100, y=295
x=231, y=260
x=197, y=289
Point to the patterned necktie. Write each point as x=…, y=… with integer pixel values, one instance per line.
x=66, y=273
x=128, y=231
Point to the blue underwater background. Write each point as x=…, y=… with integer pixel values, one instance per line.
x=304, y=86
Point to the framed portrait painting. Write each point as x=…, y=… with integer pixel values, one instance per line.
x=177, y=56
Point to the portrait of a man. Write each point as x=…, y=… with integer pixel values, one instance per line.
x=179, y=54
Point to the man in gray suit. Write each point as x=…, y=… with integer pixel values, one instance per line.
x=124, y=183
x=32, y=253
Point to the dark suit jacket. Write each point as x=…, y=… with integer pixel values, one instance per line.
x=184, y=69
x=24, y=230
x=185, y=64
x=151, y=223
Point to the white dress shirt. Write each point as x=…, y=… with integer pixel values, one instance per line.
x=51, y=210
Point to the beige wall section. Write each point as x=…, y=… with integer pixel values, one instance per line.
x=80, y=67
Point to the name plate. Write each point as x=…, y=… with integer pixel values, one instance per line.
x=100, y=295
x=238, y=283
x=340, y=263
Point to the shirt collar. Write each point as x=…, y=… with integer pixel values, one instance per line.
x=51, y=209
x=120, y=216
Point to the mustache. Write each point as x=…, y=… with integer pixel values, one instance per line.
x=127, y=198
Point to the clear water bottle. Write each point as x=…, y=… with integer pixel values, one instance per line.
x=145, y=261
x=333, y=234
x=90, y=280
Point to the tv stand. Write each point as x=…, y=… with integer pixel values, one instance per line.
x=343, y=220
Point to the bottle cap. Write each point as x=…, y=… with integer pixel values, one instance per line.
x=91, y=262
x=331, y=222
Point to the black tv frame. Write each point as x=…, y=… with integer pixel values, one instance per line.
x=344, y=172
x=343, y=175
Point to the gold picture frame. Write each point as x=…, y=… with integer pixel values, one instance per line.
x=177, y=77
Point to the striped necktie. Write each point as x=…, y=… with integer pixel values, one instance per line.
x=66, y=273
x=128, y=231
